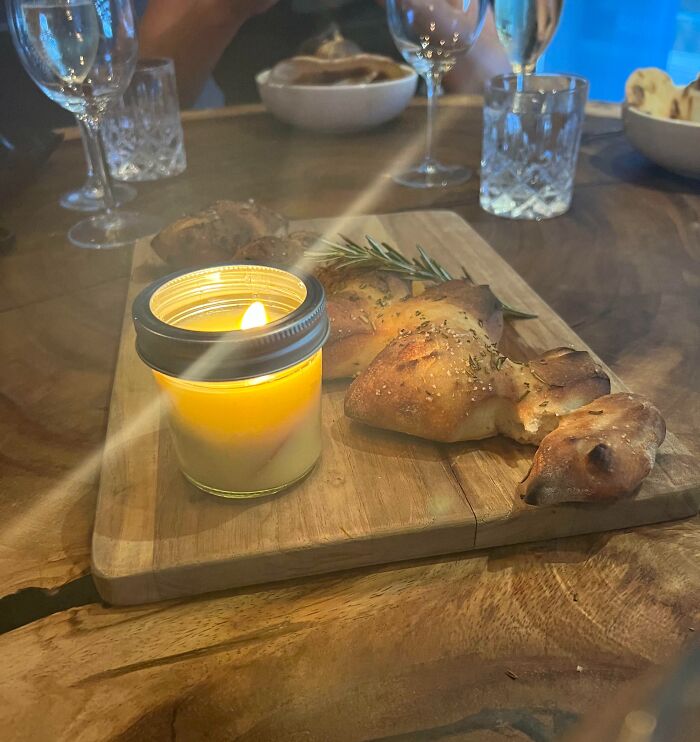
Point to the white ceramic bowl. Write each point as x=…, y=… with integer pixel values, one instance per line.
x=673, y=144
x=337, y=109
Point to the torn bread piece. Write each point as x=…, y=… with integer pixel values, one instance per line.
x=652, y=91
x=600, y=452
x=374, y=308
x=448, y=383
x=214, y=234
x=690, y=102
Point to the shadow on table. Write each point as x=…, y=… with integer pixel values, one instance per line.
x=565, y=550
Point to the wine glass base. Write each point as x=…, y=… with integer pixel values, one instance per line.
x=90, y=199
x=433, y=175
x=113, y=230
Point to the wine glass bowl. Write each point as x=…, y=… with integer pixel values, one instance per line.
x=525, y=28
x=82, y=54
x=432, y=36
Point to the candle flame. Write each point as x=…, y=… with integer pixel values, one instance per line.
x=255, y=316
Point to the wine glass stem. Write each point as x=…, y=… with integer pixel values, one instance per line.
x=96, y=157
x=432, y=82
x=90, y=170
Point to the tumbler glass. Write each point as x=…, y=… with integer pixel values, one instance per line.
x=530, y=144
x=143, y=132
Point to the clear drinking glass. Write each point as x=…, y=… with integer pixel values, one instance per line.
x=142, y=132
x=432, y=36
x=530, y=144
x=82, y=54
x=89, y=197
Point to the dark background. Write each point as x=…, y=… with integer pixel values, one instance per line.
x=263, y=41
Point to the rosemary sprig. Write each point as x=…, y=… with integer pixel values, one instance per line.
x=509, y=311
x=378, y=255
x=382, y=256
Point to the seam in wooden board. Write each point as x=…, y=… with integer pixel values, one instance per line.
x=443, y=448
x=449, y=460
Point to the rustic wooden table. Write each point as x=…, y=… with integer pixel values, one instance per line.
x=516, y=641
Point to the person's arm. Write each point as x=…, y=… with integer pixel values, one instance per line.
x=194, y=33
x=486, y=59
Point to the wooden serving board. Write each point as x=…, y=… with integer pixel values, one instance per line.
x=375, y=496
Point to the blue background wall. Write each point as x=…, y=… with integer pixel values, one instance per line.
x=604, y=40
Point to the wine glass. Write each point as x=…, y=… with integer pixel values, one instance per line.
x=432, y=35
x=89, y=196
x=82, y=54
x=525, y=28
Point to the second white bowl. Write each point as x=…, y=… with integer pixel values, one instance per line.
x=671, y=143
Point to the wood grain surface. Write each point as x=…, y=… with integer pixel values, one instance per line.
x=375, y=497
x=422, y=650
x=515, y=644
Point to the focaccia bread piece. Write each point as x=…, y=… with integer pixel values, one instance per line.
x=690, y=102
x=283, y=252
x=356, y=69
x=652, y=91
x=446, y=383
x=356, y=299
x=214, y=234
x=374, y=308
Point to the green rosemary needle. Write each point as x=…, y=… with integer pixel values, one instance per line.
x=382, y=256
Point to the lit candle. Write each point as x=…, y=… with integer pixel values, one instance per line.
x=236, y=351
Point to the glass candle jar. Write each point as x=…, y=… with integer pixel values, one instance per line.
x=236, y=352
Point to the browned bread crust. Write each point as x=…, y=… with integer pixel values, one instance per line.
x=447, y=383
x=284, y=252
x=359, y=68
x=214, y=234
x=280, y=251
x=373, y=308
x=600, y=452
x=356, y=299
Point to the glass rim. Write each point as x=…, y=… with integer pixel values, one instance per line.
x=152, y=64
x=576, y=84
x=276, y=346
